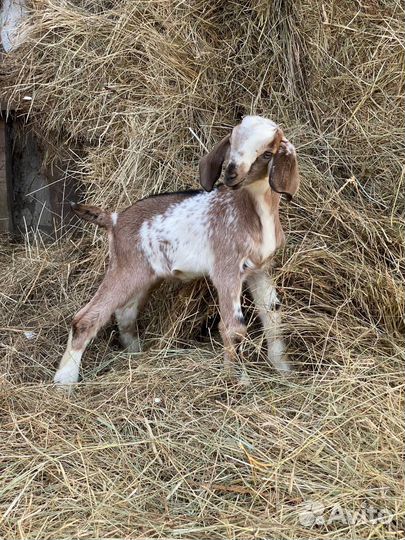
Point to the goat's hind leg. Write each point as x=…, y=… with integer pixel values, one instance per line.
x=85, y=326
x=126, y=321
x=114, y=292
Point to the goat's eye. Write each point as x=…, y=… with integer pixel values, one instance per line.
x=267, y=155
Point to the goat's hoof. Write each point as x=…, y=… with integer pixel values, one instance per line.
x=134, y=346
x=282, y=366
x=236, y=372
x=244, y=380
x=229, y=368
x=65, y=378
x=278, y=358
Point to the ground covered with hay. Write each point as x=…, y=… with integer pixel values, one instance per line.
x=127, y=95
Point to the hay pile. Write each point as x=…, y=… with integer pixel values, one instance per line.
x=159, y=444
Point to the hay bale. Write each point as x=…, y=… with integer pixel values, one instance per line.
x=158, y=444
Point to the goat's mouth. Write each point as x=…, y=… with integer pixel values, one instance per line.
x=236, y=186
x=234, y=183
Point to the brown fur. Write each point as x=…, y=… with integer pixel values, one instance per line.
x=93, y=214
x=211, y=164
x=283, y=171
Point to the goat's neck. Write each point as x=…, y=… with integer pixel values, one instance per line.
x=267, y=205
x=264, y=196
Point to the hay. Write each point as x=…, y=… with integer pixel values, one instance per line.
x=159, y=444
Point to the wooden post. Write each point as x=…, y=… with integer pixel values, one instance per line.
x=5, y=184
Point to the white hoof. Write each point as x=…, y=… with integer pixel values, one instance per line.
x=244, y=379
x=134, y=346
x=67, y=375
x=278, y=358
x=130, y=342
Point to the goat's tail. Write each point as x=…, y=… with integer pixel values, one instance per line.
x=95, y=215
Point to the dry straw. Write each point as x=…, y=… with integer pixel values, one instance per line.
x=160, y=444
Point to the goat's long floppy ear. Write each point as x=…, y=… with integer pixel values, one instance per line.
x=211, y=164
x=283, y=170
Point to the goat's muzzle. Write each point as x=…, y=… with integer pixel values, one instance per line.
x=231, y=177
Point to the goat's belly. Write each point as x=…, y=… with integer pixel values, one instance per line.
x=185, y=276
x=189, y=262
x=179, y=258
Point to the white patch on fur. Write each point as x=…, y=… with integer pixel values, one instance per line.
x=69, y=367
x=68, y=372
x=253, y=134
x=176, y=242
x=268, y=245
x=267, y=293
x=265, y=298
x=114, y=218
x=237, y=310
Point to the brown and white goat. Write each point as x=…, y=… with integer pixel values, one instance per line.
x=228, y=234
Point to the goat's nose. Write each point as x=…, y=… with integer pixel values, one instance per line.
x=231, y=173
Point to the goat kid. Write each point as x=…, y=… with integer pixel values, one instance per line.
x=228, y=234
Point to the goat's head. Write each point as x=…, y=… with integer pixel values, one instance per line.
x=255, y=150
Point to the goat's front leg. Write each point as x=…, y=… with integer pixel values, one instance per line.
x=269, y=308
x=232, y=326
